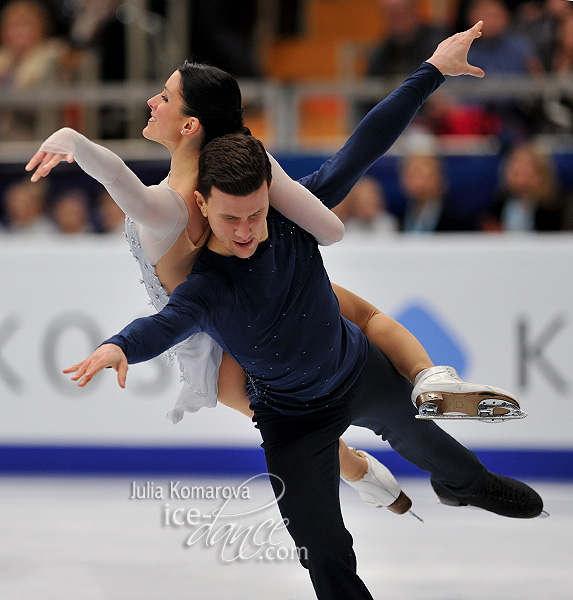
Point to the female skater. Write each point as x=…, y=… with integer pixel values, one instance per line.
x=166, y=229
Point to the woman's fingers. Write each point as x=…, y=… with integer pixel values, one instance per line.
x=45, y=162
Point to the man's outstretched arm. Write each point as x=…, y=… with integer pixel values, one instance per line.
x=143, y=339
x=384, y=124
x=107, y=355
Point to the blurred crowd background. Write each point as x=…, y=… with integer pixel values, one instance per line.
x=488, y=155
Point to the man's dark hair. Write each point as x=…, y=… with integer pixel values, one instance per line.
x=236, y=164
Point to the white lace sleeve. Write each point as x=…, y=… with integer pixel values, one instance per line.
x=159, y=211
x=302, y=207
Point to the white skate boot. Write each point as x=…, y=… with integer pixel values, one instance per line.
x=439, y=393
x=378, y=487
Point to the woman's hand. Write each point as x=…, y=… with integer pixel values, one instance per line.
x=46, y=161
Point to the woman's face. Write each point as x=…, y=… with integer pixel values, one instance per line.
x=167, y=118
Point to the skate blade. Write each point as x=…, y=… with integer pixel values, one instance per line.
x=419, y=518
x=464, y=417
x=542, y=515
x=436, y=405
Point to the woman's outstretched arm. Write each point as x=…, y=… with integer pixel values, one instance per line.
x=157, y=208
x=301, y=206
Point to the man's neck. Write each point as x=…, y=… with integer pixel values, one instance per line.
x=215, y=246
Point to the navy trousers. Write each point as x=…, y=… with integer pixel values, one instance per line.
x=301, y=452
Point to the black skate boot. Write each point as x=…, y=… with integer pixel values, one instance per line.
x=501, y=495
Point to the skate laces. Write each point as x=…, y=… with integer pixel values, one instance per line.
x=453, y=373
x=438, y=374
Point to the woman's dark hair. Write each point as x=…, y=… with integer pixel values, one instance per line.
x=214, y=97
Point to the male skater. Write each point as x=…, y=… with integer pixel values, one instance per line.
x=261, y=291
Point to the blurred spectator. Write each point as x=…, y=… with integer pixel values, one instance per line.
x=94, y=25
x=501, y=51
x=529, y=198
x=562, y=59
x=364, y=209
x=539, y=21
x=29, y=59
x=25, y=205
x=110, y=218
x=429, y=207
x=558, y=106
x=222, y=34
x=71, y=212
x=408, y=41
x=106, y=31
x=447, y=116
x=567, y=222
x=463, y=7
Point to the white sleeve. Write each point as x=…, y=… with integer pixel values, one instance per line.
x=160, y=211
x=302, y=207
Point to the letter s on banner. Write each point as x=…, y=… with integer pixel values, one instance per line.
x=56, y=329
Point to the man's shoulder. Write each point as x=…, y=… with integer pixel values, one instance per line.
x=275, y=216
x=278, y=223
x=201, y=283
x=276, y=220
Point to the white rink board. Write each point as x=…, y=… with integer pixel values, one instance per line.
x=60, y=299
x=485, y=291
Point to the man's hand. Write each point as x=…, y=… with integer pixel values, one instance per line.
x=47, y=161
x=451, y=55
x=107, y=355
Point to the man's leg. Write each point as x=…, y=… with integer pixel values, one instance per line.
x=302, y=461
x=379, y=401
x=372, y=480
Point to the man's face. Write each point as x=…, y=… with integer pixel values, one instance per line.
x=238, y=223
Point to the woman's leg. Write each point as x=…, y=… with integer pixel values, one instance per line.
x=355, y=465
x=232, y=386
x=401, y=347
x=372, y=480
x=449, y=393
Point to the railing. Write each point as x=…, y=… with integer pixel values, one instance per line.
x=278, y=104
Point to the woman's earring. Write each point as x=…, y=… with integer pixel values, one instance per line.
x=183, y=132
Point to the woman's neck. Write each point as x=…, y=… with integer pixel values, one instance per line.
x=184, y=172
x=183, y=179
